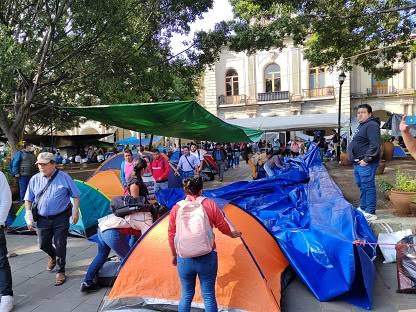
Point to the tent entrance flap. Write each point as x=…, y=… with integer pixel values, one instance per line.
x=182, y=119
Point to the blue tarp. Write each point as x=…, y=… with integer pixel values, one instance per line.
x=314, y=225
x=136, y=141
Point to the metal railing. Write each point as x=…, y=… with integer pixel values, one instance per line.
x=381, y=90
x=232, y=99
x=273, y=96
x=318, y=92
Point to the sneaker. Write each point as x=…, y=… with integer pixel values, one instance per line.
x=89, y=287
x=370, y=217
x=6, y=304
x=360, y=210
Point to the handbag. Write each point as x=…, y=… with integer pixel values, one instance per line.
x=34, y=209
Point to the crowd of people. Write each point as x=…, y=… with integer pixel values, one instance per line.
x=52, y=201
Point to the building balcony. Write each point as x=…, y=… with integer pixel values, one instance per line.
x=273, y=96
x=232, y=100
x=319, y=92
x=381, y=90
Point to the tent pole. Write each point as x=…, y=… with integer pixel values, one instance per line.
x=140, y=139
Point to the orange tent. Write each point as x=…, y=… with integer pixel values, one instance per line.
x=249, y=271
x=108, y=182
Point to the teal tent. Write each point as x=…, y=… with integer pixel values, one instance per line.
x=93, y=205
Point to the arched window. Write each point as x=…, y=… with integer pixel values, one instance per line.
x=272, y=77
x=231, y=82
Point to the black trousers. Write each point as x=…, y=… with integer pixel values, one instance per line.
x=54, y=229
x=5, y=272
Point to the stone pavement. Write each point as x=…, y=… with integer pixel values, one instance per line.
x=35, y=291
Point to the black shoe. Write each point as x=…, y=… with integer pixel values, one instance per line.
x=89, y=288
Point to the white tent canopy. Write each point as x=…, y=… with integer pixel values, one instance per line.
x=294, y=122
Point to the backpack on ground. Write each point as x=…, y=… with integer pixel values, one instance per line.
x=194, y=235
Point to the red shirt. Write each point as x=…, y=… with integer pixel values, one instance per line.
x=160, y=169
x=215, y=215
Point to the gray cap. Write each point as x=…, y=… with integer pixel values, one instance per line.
x=45, y=158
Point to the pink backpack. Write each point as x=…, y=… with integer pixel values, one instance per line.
x=194, y=236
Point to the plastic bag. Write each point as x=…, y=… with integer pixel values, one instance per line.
x=385, y=241
x=406, y=265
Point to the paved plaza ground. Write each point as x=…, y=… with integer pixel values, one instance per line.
x=35, y=291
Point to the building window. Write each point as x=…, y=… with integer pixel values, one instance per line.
x=379, y=86
x=272, y=77
x=231, y=82
x=317, y=77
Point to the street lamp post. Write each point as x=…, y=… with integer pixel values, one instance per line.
x=341, y=79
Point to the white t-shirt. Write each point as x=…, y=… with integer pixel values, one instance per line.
x=198, y=154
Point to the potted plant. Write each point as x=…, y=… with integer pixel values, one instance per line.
x=343, y=157
x=387, y=147
x=385, y=187
x=403, y=193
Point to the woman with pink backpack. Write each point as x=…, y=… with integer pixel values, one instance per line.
x=192, y=242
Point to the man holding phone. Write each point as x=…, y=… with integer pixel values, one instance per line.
x=409, y=140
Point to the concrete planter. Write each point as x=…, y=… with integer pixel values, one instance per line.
x=401, y=203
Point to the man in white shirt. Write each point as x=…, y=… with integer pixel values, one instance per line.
x=6, y=291
x=198, y=154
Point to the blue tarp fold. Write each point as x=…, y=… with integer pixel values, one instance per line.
x=314, y=225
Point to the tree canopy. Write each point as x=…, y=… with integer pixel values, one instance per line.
x=374, y=34
x=83, y=52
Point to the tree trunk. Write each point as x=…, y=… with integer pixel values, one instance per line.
x=13, y=141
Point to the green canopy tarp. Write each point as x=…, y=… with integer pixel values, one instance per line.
x=181, y=119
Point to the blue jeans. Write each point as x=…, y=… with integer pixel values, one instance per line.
x=187, y=174
x=107, y=240
x=205, y=267
x=230, y=162
x=23, y=183
x=236, y=160
x=365, y=177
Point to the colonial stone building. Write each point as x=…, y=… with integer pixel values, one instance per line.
x=395, y=95
x=281, y=83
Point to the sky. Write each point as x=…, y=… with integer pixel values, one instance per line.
x=221, y=11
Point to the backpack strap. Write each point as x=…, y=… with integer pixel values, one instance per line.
x=200, y=199
x=183, y=202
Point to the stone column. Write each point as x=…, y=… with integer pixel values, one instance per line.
x=210, y=91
